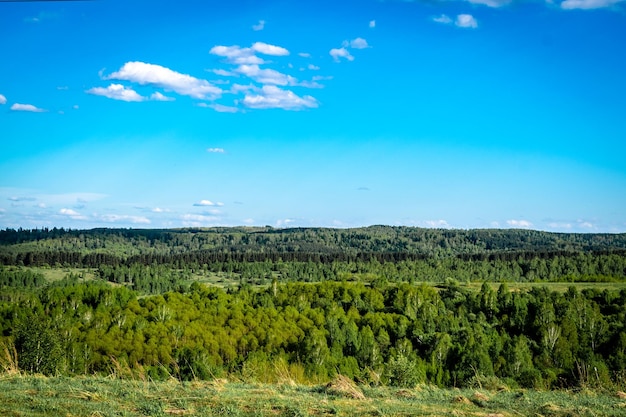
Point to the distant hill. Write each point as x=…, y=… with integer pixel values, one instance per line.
x=258, y=243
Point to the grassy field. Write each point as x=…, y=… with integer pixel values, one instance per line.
x=26, y=396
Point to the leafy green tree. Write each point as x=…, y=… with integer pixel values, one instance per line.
x=38, y=346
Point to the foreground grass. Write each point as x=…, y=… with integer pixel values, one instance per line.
x=100, y=396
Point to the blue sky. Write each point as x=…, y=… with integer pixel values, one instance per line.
x=456, y=114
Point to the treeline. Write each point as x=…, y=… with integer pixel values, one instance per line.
x=394, y=243
x=156, y=278
x=20, y=278
x=380, y=334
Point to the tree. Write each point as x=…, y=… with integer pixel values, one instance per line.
x=38, y=346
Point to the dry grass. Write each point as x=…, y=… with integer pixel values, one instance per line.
x=8, y=359
x=344, y=387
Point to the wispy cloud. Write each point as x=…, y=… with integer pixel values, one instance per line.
x=437, y=224
x=272, y=97
x=158, y=76
x=41, y=17
x=266, y=76
x=224, y=73
x=588, y=4
x=491, y=3
x=305, y=55
x=259, y=26
x=220, y=108
x=284, y=222
x=27, y=108
x=3, y=99
x=338, y=53
x=216, y=150
x=16, y=198
x=523, y=224
x=445, y=19
x=198, y=220
x=118, y=218
x=372, y=24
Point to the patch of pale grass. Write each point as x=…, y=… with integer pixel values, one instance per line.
x=344, y=387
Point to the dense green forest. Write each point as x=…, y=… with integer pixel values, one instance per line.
x=381, y=305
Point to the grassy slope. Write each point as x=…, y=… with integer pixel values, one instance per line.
x=98, y=396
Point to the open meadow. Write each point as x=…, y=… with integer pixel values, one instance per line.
x=38, y=396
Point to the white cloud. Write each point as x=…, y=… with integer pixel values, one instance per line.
x=266, y=76
x=236, y=54
x=204, y=203
x=313, y=67
x=519, y=223
x=272, y=97
x=216, y=150
x=437, y=223
x=197, y=220
x=75, y=107
x=338, y=53
x=561, y=226
x=259, y=26
x=588, y=4
x=359, y=43
x=322, y=77
x=158, y=76
x=305, y=55
x=310, y=84
x=267, y=49
x=238, y=88
x=372, y=24
x=220, y=108
x=115, y=218
x=117, y=92
x=160, y=97
x=41, y=17
x=26, y=107
x=159, y=210
x=72, y=214
x=445, y=19
x=491, y=3
x=3, y=99
x=466, y=21
x=16, y=198
x=223, y=73
x=284, y=222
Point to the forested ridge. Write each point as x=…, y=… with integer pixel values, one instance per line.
x=125, y=243
x=381, y=305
